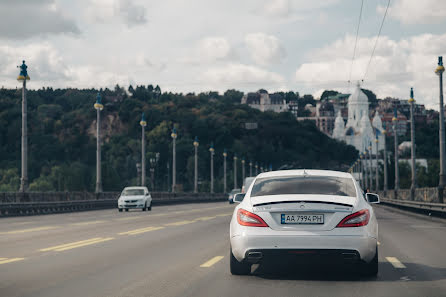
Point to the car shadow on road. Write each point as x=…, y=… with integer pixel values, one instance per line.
x=387, y=273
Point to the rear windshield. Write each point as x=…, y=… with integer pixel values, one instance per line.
x=320, y=185
x=133, y=192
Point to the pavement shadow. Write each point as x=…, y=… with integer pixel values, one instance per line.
x=319, y=272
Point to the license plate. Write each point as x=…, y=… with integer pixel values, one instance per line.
x=302, y=219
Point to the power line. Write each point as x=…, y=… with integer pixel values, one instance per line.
x=376, y=41
x=356, y=41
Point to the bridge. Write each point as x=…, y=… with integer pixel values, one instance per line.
x=183, y=250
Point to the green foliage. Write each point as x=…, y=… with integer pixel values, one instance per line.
x=62, y=139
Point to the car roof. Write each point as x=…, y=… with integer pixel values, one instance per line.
x=308, y=172
x=135, y=188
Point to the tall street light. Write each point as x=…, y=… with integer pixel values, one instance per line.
x=366, y=176
x=439, y=71
x=243, y=170
x=235, y=172
x=23, y=76
x=212, y=151
x=361, y=167
x=370, y=166
x=385, y=186
x=196, y=144
x=98, y=106
x=152, y=173
x=377, y=159
x=250, y=168
x=257, y=168
x=174, y=165
x=395, y=140
x=143, y=124
x=225, y=155
x=412, y=146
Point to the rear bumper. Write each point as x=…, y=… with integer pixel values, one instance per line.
x=309, y=247
x=322, y=256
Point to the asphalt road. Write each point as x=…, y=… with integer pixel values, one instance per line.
x=183, y=251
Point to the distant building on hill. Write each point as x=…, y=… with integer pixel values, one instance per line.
x=263, y=101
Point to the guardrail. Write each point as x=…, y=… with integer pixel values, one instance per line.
x=33, y=203
x=428, y=208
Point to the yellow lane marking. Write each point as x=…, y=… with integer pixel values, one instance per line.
x=3, y=259
x=76, y=243
x=180, y=223
x=395, y=262
x=211, y=261
x=205, y=218
x=141, y=230
x=29, y=230
x=10, y=260
x=88, y=223
x=224, y=214
x=85, y=244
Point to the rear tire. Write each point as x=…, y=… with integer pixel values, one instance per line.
x=371, y=269
x=150, y=207
x=238, y=268
x=145, y=207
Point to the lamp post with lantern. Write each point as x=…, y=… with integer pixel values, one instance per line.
x=196, y=144
x=98, y=106
x=143, y=124
x=174, y=136
x=23, y=77
x=212, y=151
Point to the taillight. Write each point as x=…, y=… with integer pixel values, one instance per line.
x=357, y=219
x=246, y=218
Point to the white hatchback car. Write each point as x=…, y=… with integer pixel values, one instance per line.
x=135, y=197
x=307, y=216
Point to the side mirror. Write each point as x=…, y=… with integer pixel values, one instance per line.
x=372, y=198
x=239, y=197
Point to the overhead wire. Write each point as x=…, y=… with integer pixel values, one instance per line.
x=376, y=41
x=356, y=41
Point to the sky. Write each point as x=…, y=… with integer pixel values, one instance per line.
x=210, y=45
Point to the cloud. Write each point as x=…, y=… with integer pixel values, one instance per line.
x=25, y=19
x=240, y=75
x=278, y=8
x=265, y=49
x=287, y=8
x=396, y=66
x=125, y=11
x=417, y=12
x=214, y=48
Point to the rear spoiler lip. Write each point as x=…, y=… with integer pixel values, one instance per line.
x=303, y=201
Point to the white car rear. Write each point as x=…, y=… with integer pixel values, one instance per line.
x=304, y=215
x=135, y=198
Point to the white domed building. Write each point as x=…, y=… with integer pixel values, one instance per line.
x=359, y=131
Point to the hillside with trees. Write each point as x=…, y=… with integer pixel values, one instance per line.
x=62, y=140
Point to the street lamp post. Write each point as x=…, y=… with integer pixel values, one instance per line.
x=361, y=167
x=235, y=172
x=23, y=76
x=442, y=183
x=395, y=140
x=376, y=168
x=385, y=187
x=250, y=168
x=211, y=150
x=243, y=170
x=412, y=145
x=98, y=106
x=152, y=173
x=370, y=167
x=257, y=168
x=366, y=174
x=225, y=155
x=143, y=124
x=174, y=165
x=196, y=144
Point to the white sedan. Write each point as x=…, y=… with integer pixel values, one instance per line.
x=135, y=197
x=306, y=216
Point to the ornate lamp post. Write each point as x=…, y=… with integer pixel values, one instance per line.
x=225, y=155
x=412, y=146
x=243, y=170
x=98, y=106
x=235, y=172
x=152, y=172
x=361, y=167
x=377, y=159
x=385, y=187
x=442, y=183
x=370, y=166
x=174, y=165
x=257, y=168
x=196, y=144
x=250, y=168
x=366, y=174
x=212, y=151
x=143, y=124
x=23, y=76
x=395, y=139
